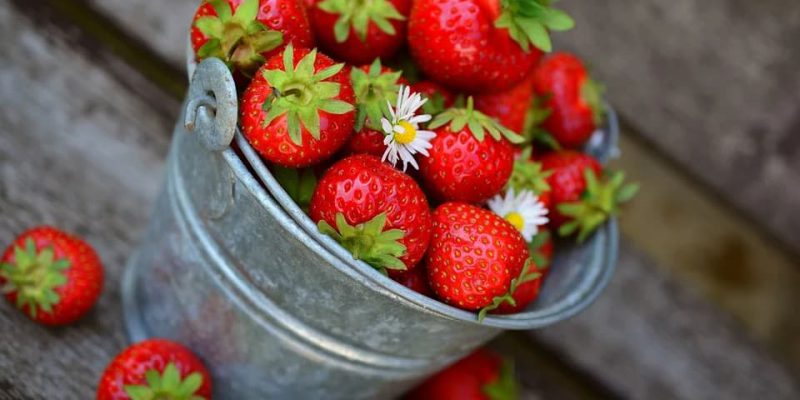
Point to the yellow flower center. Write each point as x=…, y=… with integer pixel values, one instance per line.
x=408, y=135
x=516, y=219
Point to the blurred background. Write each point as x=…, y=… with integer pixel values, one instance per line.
x=705, y=301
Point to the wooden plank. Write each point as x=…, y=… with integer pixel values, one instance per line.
x=713, y=84
x=649, y=337
x=81, y=151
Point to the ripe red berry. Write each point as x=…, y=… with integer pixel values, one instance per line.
x=298, y=110
x=53, y=277
x=474, y=256
x=480, y=376
x=155, y=369
x=377, y=212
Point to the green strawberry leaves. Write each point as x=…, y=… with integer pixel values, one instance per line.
x=299, y=184
x=534, y=247
x=528, y=22
x=525, y=275
x=357, y=14
x=599, y=201
x=237, y=37
x=166, y=385
x=373, y=90
x=300, y=93
x=505, y=386
x=34, y=276
x=528, y=175
x=477, y=122
x=369, y=241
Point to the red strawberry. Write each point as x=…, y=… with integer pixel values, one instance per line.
x=416, y=280
x=298, y=110
x=379, y=213
x=479, y=376
x=481, y=45
x=582, y=198
x=475, y=257
x=155, y=369
x=571, y=97
x=439, y=98
x=373, y=85
x=244, y=33
x=359, y=32
x=541, y=250
x=462, y=164
x=53, y=277
x=510, y=107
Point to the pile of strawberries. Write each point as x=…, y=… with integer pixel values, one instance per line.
x=431, y=138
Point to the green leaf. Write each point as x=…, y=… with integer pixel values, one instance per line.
x=293, y=127
x=190, y=385
x=341, y=30
x=336, y=107
x=538, y=35
x=330, y=71
x=246, y=12
x=222, y=9
x=558, y=20
x=306, y=65
x=310, y=119
x=288, y=58
x=627, y=192
x=210, y=26
x=153, y=378
x=170, y=378
x=137, y=392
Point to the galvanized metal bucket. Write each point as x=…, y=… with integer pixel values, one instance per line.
x=231, y=267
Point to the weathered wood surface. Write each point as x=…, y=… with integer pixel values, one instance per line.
x=89, y=121
x=714, y=84
x=648, y=337
x=81, y=151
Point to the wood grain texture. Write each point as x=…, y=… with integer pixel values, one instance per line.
x=80, y=151
x=714, y=84
x=648, y=337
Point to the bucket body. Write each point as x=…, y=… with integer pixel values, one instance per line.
x=277, y=310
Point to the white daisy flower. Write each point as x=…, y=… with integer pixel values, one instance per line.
x=525, y=211
x=403, y=136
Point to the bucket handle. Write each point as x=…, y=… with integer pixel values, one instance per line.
x=212, y=106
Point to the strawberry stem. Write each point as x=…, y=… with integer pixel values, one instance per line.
x=525, y=275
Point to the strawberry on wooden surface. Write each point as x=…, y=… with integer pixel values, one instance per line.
x=481, y=45
x=480, y=376
x=244, y=33
x=463, y=163
x=571, y=99
x=155, y=369
x=375, y=211
x=359, y=31
x=53, y=277
x=473, y=257
x=298, y=110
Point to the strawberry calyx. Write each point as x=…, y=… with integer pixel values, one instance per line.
x=374, y=90
x=592, y=94
x=435, y=104
x=237, y=37
x=477, y=122
x=34, y=276
x=525, y=275
x=528, y=174
x=528, y=22
x=299, y=183
x=300, y=93
x=358, y=14
x=505, y=386
x=167, y=385
x=532, y=129
x=369, y=242
x=534, y=247
x=599, y=201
